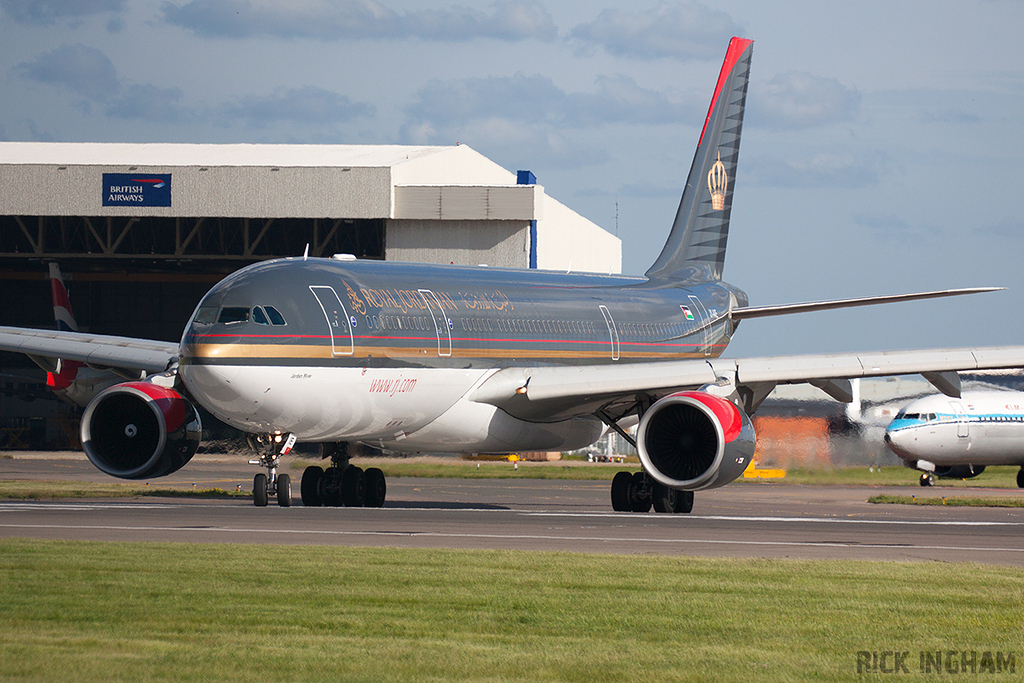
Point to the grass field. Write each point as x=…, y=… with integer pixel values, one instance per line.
x=152, y=612
x=951, y=501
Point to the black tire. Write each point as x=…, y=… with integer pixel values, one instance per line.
x=376, y=488
x=620, y=491
x=284, y=490
x=309, y=488
x=353, y=487
x=927, y=480
x=639, y=498
x=330, y=487
x=684, y=502
x=1020, y=478
x=259, y=490
x=664, y=498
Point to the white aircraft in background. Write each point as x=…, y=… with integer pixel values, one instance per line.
x=958, y=437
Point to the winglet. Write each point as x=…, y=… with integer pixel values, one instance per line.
x=695, y=249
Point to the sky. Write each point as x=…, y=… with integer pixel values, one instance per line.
x=882, y=152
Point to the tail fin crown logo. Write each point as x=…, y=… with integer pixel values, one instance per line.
x=718, y=181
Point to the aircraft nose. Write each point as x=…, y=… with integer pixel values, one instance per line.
x=899, y=441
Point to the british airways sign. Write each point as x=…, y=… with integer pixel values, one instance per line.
x=136, y=189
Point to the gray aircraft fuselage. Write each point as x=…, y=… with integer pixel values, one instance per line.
x=359, y=340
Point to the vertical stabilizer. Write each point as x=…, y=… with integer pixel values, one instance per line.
x=61, y=304
x=695, y=249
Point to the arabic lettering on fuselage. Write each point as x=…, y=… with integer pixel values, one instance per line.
x=406, y=300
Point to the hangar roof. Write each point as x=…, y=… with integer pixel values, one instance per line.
x=173, y=154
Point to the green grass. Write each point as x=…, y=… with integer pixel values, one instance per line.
x=998, y=477
x=952, y=501
x=164, y=612
x=992, y=477
x=45, y=490
x=463, y=469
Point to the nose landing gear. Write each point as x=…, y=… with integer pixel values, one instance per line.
x=270, y=448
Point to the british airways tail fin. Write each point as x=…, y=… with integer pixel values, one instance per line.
x=695, y=249
x=61, y=304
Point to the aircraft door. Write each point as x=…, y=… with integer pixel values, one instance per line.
x=338, y=323
x=444, y=332
x=613, y=333
x=963, y=426
x=703, y=324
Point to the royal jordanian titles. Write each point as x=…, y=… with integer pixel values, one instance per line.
x=412, y=357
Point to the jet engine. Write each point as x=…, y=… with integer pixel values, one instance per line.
x=694, y=440
x=959, y=471
x=139, y=430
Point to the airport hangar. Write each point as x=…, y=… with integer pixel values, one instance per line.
x=142, y=231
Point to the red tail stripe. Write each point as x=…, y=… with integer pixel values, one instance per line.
x=737, y=46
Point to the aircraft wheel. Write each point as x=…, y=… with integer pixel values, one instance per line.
x=376, y=488
x=664, y=498
x=927, y=479
x=639, y=493
x=309, y=488
x=1020, y=478
x=353, y=487
x=620, y=491
x=684, y=502
x=330, y=487
x=284, y=490
x=259, y=490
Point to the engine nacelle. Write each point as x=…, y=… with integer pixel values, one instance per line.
x=139, y=430
x=694, y=440
x=959, y=471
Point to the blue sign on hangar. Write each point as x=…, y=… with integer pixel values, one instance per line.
x=136, y=189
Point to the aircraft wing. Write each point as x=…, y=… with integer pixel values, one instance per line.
x=96, y=350
x=560, y=392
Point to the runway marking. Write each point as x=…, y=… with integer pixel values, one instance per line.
x=728, y=518
x=517, y=537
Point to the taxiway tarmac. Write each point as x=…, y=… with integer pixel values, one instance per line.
x=743, y=519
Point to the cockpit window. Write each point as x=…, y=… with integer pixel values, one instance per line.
x=206, y=315
x=259, y=317
x=275, y=317
x=233, y=314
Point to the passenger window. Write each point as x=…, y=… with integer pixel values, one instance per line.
x=275, y=316
x=230, y=315
x=259, y=317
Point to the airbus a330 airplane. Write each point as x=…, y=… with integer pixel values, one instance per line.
x=415, y=357
x=949, y=437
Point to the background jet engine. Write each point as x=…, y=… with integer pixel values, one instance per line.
x=138, y=430
x=693, y=440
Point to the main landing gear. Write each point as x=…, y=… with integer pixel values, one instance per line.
x=270, y=448
x=927, y=479
x=342, y=483
x=637, y=492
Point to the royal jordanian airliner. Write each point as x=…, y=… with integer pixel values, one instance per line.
x=412, y=357
x=959, y=437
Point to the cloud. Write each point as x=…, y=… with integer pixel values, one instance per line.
x=85, y=70
x=359, y=19
x=149, y=103
x=48, y=11
x=823, y=170
x=675, y=30
x=795, y=99
x=306, y=105
x=1012, y=228
x=536, y=99
x=889, y=227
